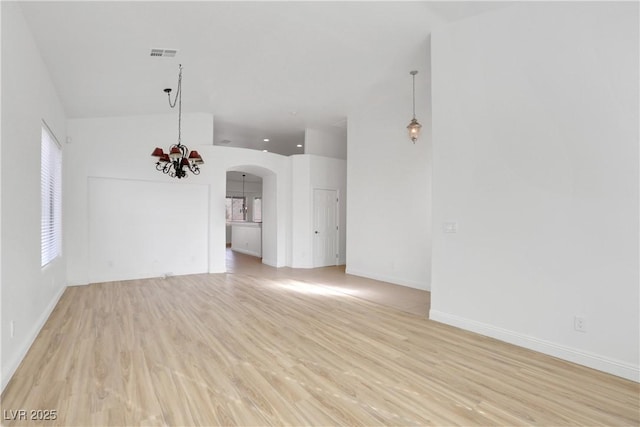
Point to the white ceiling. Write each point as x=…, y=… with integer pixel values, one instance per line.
x=263, y=69
x=237, y=176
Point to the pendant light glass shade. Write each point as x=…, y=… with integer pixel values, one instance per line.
x=414, y=130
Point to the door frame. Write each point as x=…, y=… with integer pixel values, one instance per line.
x=337, y=230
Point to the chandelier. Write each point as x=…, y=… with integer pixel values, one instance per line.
x=178, y=160
x=414, y=126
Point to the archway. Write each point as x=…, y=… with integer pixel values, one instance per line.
x=270, y=241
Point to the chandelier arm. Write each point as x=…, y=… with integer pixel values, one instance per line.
x=180, y=172
x=167, y=167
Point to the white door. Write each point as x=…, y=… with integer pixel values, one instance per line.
x=325, y=227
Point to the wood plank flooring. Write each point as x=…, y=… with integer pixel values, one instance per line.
x=253, y=350
x=335, y=280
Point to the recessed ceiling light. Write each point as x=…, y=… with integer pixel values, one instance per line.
x=265, y=151
x=299, y=145
x=266, y=140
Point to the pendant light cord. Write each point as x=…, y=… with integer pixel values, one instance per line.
x=178, y=99
x=414, y=96
x=244, y=201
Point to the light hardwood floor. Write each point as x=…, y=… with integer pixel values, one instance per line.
x=335, y=280
x=261, y=346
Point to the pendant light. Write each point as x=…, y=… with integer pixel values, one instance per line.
x=414, y=126
x=244, y=201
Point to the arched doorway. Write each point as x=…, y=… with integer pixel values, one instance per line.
x=268, y=201
x=244, y=214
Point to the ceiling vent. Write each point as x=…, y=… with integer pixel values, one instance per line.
x=165, y=53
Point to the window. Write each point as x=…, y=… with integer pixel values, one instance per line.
x=257, y=209
x=234, y=209
x=51, y=198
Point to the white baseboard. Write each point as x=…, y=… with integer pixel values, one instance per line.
x=595, y=361
x=247, y=252
x=389, y=279
x=13, y=365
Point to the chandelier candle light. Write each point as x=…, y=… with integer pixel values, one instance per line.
x=414, y=126
x=179, y=159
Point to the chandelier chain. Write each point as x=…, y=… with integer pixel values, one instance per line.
x=179, y=159
x=178, y=99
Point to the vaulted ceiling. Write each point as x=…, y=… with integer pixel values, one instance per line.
x=263, y=69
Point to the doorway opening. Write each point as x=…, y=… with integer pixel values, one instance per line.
x=261, y=212
x=244, y=213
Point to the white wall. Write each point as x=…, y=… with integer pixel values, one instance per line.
x=94, y=140
x=2, y=379
x=134, y=234
x=29, y=292
x=275, y=219
x=247, y=238
x=88, y=155
x=309, y=172
x=301, y=213
x=535, y=129
x=389, y=182
x=326, y=142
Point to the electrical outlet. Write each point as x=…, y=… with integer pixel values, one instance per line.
x=580, y=324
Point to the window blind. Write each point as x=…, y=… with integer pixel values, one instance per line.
x=51, y=198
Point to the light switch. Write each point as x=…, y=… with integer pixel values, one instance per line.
x=450, y=227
